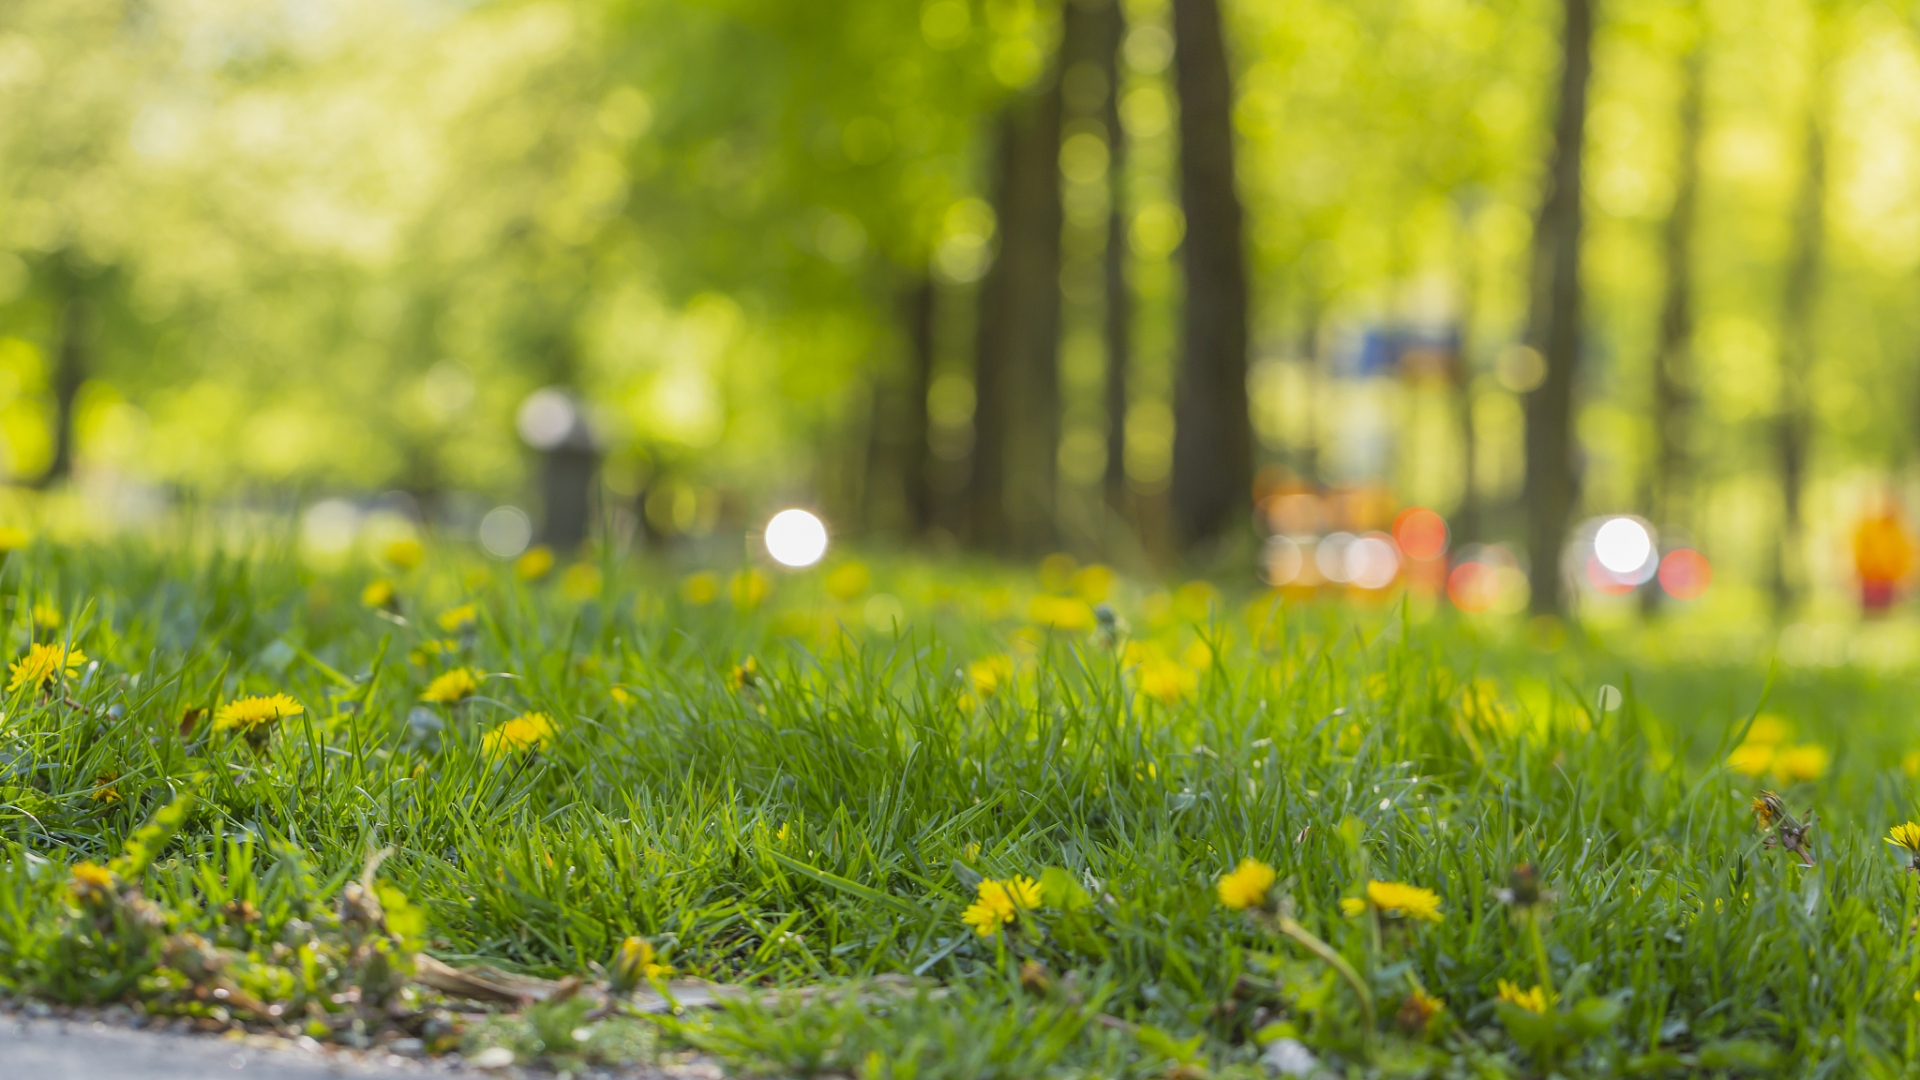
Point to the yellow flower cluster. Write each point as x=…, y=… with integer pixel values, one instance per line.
x=529, y=731
x=43, y=662
x=1246, y=885
x=998, y=903
x=455, y=619
x=451, y=687
x=1394, y=899
x=1534, y=1000
x=1766, y=750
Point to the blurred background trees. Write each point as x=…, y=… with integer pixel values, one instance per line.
x=1109, y=276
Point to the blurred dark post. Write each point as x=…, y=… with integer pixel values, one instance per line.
x=1673, y=363
x=918, y=315
x=1016, y=373
x=1553, y=324
x=552, y=423
x=1793, y=418
x=1213, y=432
x=1118, y=328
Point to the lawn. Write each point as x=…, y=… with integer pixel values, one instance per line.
x=978, y=824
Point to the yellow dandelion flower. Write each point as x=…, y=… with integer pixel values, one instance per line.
x=989, y=673
x=785, y=834
x=13, y=538
x=1801, y=764
x=1393, y=899
x=621, y=695
x=1768, y=730
x=1165, y=680
x=90, y=881
x=582, y=582
x=530, y=731
x=253, y=717
x=746, y=674
x=451, y=687
x=44, y=662
x=1061, y=613
x=701, y=589
x=1534, y=1000
x=1418, y=1011
x=378, y=594
x=404, y=553
x=1246, y=885
x=105, y=788
x=632, y=962
x=534, y=563
x=46, y=616
x=1906, y=836
x=999, y=903
x=455, y=619
x=1751, y=758
x=1767, y=809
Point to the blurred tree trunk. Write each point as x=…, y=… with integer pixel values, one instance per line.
x=918, y=312
x=72, y=361
x=1017, y=345
x=1112, y=20
x=1553, y=324
x=1673, y=362
x=1793, y=422
x=1465, y=526
x=1213, y=432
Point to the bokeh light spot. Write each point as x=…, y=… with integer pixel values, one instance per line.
x=1685, y=574
x=1421, y=533
x=1622, y=545
x=506, y=531
x=796, y=538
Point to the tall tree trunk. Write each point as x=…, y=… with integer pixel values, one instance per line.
x=1673, y=363
x=1213, y=433
x=1017, y=347
x=1553, y=326
x=1119, y=313
x=916, y=463
x=1793, y=421
x=70, y=365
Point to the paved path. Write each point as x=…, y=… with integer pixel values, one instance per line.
x=51, y=1049
x=86, y=1049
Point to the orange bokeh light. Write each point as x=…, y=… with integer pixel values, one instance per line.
x=1473, y=587
x=1421, y=533
x=1685, y=574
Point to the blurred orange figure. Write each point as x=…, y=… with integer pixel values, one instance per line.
x=1882, y=556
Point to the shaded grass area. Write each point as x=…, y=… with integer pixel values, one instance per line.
x=827, y=813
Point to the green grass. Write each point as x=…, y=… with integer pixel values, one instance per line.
x=829, y=820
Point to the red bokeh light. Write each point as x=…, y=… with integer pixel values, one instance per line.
x=1421, y=533
x=1685, y=574
x=1473, y=587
